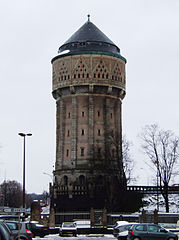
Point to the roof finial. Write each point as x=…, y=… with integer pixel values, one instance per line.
x=88, y=17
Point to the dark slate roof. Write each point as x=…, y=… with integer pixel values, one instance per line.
x=89, y=38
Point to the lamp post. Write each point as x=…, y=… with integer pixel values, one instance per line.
x=23, y=191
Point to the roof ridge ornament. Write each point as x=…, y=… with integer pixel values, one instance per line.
x=88, y=17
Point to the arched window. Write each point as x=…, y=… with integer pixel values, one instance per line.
x=65, y=179
x=81, y=180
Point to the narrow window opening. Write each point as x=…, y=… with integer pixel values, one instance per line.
x=68, y=133
x=82, y=132
x=69, y=115
x=67, y=153
x=82, y=151
x=82, y=114
x=99, y=132
x=98, y=113
x=113, y=153
x=99, y=151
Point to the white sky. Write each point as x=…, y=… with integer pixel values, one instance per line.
x=147, y=32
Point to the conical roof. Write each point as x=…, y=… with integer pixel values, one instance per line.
x=89, y=32
x=89, y=38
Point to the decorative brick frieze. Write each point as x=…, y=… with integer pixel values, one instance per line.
x=79, y=70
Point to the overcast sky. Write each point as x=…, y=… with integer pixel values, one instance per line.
x=147, y=32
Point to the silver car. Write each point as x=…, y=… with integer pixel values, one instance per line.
x=5, y=232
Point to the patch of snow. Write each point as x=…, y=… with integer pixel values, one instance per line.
x=150, y=203
x=64, y=52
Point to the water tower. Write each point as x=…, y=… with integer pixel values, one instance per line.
x=88, y=86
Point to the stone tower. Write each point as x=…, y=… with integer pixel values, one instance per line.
x=88, y=86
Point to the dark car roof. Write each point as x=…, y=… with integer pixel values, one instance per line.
x=10, y=217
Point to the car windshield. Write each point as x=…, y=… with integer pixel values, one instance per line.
x=13, y=226
x=123, y=228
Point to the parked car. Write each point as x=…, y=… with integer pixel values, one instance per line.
x=5, y=232
x=150, y=232
x=175, y=185
x=38, y=229
x=68, y=228
x=24, y=232
x=121, y=232
x=82, y=223
x=120, y=223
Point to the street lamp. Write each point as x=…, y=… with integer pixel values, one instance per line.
x=50, y=175
x=23, y=191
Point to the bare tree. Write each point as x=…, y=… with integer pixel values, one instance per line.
x=12, y=193
x=128, y=162
x=162, y=148
x=125, y=160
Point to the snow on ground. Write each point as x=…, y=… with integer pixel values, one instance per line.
x=151, y=203
x=79, y=237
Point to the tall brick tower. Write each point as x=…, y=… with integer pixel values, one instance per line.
x=88, y=86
